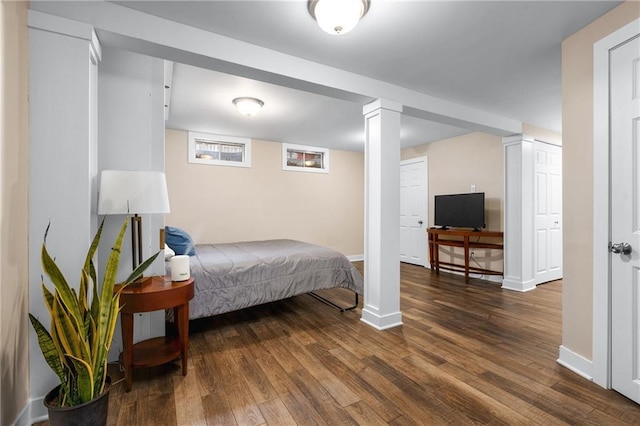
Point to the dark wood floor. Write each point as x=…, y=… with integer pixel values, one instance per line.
x=466, y=354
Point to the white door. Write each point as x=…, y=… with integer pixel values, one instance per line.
x=413, y=211
x=548, y=212
x=625, y=218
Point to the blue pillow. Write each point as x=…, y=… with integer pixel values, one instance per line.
x=179, y=241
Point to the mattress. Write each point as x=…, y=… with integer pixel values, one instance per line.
x=234, y=276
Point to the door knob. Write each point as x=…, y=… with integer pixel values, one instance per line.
x=419, y=222
x=624, y=248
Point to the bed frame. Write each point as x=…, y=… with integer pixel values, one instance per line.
x=335, y=305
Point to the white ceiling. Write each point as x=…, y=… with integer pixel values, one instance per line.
x=503, y=57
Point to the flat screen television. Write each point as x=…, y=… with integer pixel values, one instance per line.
x=460, y=210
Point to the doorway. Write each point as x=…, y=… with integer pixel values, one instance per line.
x=548, y=212
x=625, y=218
x=616, y=128
x=413, y=211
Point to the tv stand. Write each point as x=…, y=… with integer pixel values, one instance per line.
x=460, y=238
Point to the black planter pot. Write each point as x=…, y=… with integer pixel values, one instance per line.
x=92, y=413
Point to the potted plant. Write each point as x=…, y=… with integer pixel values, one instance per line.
x=77, y=345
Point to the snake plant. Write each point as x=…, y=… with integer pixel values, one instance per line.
x=77, y=346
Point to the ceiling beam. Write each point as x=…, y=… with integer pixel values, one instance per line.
x=132, y=30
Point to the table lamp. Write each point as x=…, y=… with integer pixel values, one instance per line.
x=133, y=192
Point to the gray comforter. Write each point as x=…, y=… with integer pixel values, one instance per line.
x=233, y=276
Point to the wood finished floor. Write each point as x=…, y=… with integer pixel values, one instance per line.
x=466, y=354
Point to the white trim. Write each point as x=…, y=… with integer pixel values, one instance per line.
x=601, y=267
x=37, y=410
x=67, y=27
x=492, y=278
x=381, y=322
x=356, y=258
x=374, y=106
x=576, y=363
x=521, y=286
x=313, y=149
x=33, y=412
x=24, y=418
x=414, y=160
x=246, y=142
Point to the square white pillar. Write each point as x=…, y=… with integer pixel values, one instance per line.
x=519, y=190
x=382, y=215
x=63, y=67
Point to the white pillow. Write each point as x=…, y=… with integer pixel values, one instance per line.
x=168, y=253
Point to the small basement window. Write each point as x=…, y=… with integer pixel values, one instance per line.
x=205, y=148
x=303, y=158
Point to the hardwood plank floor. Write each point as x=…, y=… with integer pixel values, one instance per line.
x=466, y=354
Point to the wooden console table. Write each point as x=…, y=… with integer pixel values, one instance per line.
x=461, y=238
x=160, y=293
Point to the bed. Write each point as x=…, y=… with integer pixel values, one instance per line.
x=238, y=275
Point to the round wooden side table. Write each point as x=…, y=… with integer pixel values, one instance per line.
x=159, y=293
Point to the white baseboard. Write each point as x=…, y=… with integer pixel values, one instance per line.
x=33, y=412
x=520, y=286
x=493, y=278
x=24, y=418
x=381, y=322
x=576, y=363
x=356, y=257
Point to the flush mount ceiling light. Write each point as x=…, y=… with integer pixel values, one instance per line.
x=338, y=16
x=248, y=106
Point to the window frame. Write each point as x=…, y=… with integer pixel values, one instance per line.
x=195, y=136
x=305, y=148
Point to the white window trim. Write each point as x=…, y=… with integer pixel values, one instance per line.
x=324, y=151
x=219, y=138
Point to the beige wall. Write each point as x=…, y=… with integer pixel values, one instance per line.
x=454, y=165
x=473, y=159
x=217, y=204
x=14, y=142
x=457, y=163
x=577, y=135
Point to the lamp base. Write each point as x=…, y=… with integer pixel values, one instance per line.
x=140, y=282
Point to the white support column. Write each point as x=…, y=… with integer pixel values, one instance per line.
x=382, y=215
x=63, y=64
x=519, y=274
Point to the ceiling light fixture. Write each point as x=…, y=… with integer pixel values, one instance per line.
x=338, y=16
x=248, y=106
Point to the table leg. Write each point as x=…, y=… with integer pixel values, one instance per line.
x=430, y=251
x=126, y=322
x=466, y=258
x=436, y=253
x=181, y=313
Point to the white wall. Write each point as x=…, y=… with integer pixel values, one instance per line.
x=131, y=137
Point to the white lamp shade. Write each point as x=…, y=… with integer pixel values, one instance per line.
x=124, y=192
x=338, y=16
